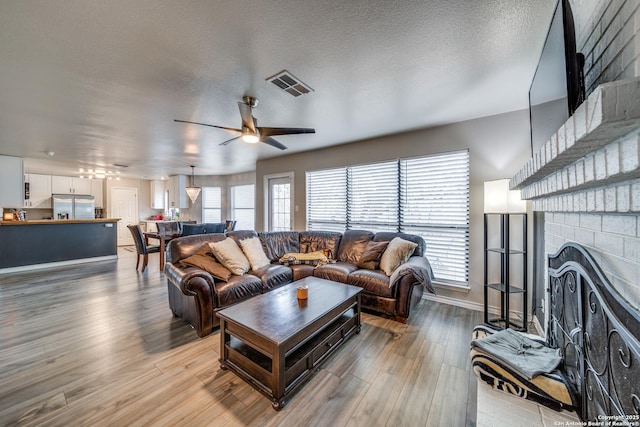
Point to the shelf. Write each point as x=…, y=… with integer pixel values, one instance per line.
x=502, y=288
x=503, y=285
x=502, y=251
x=501, y=323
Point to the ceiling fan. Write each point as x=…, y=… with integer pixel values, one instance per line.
x=250, y=131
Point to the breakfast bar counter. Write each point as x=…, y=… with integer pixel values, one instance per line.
x=26, y=245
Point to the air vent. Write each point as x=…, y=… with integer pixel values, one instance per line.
x=287, y=82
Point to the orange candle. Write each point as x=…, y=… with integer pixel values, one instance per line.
x=303, y=292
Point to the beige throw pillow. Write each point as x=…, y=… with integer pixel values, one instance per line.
x=397, y=253
x=252, y=249
x=230, y=255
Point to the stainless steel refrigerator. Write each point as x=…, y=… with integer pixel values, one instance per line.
x=71, y=206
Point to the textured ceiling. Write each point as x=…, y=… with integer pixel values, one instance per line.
x=100, y=82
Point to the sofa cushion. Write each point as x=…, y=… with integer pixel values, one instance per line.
x=278, y=243
x=237, y=289
x=229, y=254
x=398, y=252
x=300, y=271
x=273, y=275
x=337, y=272
x=311, y=241
x=203, y=259
x=371, y=255
x=352, y=245
x=374, y=282
x=252, y=249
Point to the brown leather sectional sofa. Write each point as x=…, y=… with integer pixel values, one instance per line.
x=195, y=296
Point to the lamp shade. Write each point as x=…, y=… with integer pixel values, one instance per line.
x=499, y=199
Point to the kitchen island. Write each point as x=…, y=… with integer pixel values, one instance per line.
x=27, y=245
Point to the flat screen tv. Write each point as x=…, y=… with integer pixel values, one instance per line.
x=557, y=88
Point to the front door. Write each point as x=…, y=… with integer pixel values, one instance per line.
x=279, y=203
x=124, y=205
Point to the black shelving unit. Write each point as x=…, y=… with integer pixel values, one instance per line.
x=506, y=289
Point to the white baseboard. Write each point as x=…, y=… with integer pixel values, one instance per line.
x=55, y=264
x=476, y=306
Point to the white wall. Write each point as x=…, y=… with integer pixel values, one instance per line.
x=498, y=146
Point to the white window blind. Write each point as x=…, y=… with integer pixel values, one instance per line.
x=243, y=206
x=211, y=204
x=373, y=196
x=427, y=196
x=327, y=200
x=435, y=205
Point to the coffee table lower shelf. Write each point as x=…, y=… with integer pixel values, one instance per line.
x=277, y=370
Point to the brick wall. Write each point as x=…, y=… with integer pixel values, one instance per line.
x=608, y=33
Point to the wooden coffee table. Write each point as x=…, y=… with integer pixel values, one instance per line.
x=276, y=342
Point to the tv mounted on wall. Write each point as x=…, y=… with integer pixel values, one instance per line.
x=557, y=88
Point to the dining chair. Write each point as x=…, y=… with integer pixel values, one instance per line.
x=190, y=229
x=168, y=227
x=141, y=247
x=229, y=225
x=214, y=227
x=182, y=223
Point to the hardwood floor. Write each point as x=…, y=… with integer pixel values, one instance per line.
x=96, y=345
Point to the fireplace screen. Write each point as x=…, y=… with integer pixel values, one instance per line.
x=597, y=331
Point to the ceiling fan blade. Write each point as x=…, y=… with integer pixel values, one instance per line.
x=272, y=142
x=267, y=131
x=247, y=117
x=205, y=124
x=229, y=140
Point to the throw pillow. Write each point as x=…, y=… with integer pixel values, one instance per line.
x=252, y=249
x=397, y=253
x=203, y=259
x=371, y=255
x=229, y=254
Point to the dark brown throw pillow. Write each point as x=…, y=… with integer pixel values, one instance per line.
x=371, y=255
x=203, y=260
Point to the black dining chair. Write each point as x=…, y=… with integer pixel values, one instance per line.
x=141, y=247
x=168, y=227
x=182, y=223
x=190, y=229
x=214, y=227
x=229, y=225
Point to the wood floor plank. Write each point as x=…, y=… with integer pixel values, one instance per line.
x=96, y=344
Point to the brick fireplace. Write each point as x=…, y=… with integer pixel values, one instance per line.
x=586, y=179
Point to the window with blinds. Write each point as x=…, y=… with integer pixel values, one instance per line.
x=427, y=196
x=243, y=206
x=327, y=200
x=211, y=204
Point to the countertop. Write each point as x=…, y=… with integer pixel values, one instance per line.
x=59, y=221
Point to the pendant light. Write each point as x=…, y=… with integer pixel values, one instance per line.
x=192, y=190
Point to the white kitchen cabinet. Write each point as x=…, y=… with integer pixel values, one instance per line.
x=157, y=194
x=70, y=185
x=97, y=192
x=39, y=191
x=177, y=195
x=12, y=184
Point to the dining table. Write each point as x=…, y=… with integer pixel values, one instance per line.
x=163, y=237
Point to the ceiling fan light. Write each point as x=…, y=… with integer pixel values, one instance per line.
x=249, y=136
